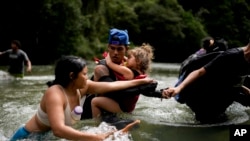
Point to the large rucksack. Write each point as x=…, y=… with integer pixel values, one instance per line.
x=195, y=62
x=206, y=96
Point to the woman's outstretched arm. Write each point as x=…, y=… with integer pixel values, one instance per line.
x=105, y=87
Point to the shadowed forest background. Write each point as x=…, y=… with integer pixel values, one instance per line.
x=48, y=29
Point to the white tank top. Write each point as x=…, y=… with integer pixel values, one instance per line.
x=43, y=117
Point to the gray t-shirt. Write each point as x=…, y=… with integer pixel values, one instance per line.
x=16, y=60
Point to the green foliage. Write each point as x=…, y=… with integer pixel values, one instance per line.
x=62, y=20
x=94, y=28
x=167, y=26
x=80, y=27
x=223, y=18
x=119, y=15
x=194, y=31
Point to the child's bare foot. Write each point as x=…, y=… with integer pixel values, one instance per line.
x=129, y=126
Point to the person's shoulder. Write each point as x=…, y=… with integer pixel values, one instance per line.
x=21, y=51
x=55, y=95
x=200, y=52
x=7, y=51
x=101, y=64
x=54, y=89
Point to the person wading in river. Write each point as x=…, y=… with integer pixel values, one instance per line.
x=210, y=89
x=64, y=94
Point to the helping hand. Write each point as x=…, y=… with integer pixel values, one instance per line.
x=170, y=92
x=103, y=136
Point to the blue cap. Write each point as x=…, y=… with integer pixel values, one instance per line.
x=118, y=37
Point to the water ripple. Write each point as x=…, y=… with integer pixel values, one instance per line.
x=170, y=112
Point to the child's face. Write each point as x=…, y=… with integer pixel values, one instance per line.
x=131, y=62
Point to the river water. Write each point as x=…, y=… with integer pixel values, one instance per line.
x=161, y=120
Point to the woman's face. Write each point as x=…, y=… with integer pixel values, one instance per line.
x=82, y=78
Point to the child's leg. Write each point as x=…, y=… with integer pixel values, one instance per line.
x=129, y=126
x=105, y=103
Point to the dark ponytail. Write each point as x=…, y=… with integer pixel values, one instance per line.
x=65, y=66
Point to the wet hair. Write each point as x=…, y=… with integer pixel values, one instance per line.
x=205, y=42
x=64, y=67
x=143, y=56
x=17, y=43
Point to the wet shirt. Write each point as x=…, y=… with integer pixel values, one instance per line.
x=229, y=68
x=211, y=94
x=43, y=117
x=16, y=60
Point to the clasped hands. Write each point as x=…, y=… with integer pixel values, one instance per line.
x=169, y=92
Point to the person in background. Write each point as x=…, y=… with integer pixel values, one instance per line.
x=210, y=89
x=208, y=45
x=136, y=66
x=17, y=58
x=64, y=96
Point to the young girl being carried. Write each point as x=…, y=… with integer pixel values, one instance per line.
x=136, y=66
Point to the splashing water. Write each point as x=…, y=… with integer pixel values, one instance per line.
x=19, y=100
x=2, y=138
x=104, y=128
x=176, y=114
x=5, y=76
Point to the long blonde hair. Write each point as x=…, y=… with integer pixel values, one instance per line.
x=143, y=55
